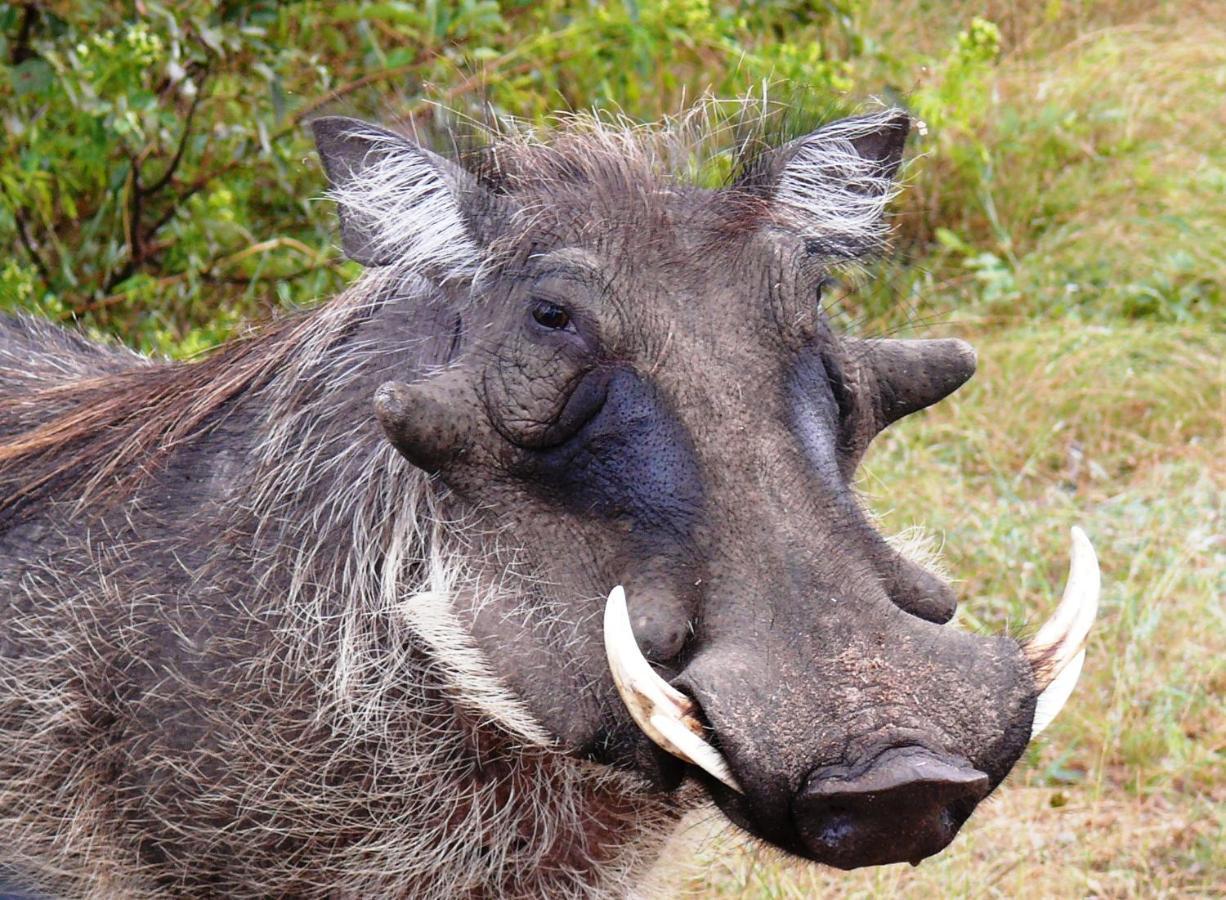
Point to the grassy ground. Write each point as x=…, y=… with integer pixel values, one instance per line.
x=1087, y=265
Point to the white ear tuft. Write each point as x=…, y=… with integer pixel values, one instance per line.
x=834, y=184
x=399, y=203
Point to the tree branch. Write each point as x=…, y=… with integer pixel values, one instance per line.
x=135, y=256
x=211, y=274
x=182, y=146
x=31, y=251
x=20, y=50
x=27, y=243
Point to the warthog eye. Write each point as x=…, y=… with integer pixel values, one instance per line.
x=550, y=315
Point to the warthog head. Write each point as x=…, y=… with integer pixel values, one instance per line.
x=647, y=432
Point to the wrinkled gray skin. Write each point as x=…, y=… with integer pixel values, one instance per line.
x=637, y=389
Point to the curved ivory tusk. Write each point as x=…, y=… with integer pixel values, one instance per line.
x=1055, y=695
x=663, y=713
x=1057, y=652
x=1062, y=638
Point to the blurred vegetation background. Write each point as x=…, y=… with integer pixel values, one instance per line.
x=156, y=180
x=1066, y=211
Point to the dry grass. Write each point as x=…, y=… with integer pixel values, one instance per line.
x=1084, y=173
x=1026, y=842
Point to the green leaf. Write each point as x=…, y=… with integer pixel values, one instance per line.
x=33, y=76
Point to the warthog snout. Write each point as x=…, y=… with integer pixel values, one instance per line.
x=902, y=807
x=874, y=752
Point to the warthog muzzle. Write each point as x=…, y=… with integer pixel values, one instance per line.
x=903, y=804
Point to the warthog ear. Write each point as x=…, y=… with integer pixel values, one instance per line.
x=398, y=201
x=903, y=377
x=833, y=185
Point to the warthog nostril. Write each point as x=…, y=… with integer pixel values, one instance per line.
x=907, y=805
x=837, y=828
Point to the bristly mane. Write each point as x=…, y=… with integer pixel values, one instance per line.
x=345, y=571
x=714, y=143
x=86, y=426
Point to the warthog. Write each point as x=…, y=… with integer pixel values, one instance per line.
x=473, y=580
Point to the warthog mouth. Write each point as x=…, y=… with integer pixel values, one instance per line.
x=672, y=720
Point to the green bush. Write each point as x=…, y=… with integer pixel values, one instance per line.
x=157, y=181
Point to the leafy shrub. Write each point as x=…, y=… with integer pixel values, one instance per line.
x=156, y=174
x=157, y=181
